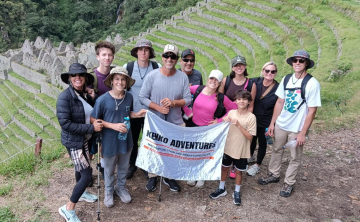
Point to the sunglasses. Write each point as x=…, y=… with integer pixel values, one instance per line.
x=171, y=56
x=271, y=71
x=300, y=60
x=79, y=74
x=189, y=60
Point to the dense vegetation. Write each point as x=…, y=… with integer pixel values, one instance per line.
x=80, y=21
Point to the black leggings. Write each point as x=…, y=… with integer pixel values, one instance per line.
x=83, y=178
x=136, y=127
x=260, y=135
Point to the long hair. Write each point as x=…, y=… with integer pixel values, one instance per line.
x=232, y=74
x=265, y=65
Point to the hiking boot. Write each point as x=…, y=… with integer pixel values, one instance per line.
x=123, y=194
x=237, y=198
x=232, y=173
x=191, y=183
x=174, y=186
x=88, y=197
x=200, y=184
x=131, y=171
x=151, y=184
x=286, y=190
x=218, y=193
x=253, y=170
x=269, y=179
x=68, y=215
x=109, y=199
x=251, y=159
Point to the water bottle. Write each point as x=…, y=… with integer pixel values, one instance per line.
x=123, y=136
x=269, y=139
x=291, y=143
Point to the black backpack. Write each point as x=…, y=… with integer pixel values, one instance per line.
x=130, y=68
x=302, y=88
x=220, y=109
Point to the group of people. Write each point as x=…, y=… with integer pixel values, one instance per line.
x=105, y=98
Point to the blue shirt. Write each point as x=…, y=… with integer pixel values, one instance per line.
x=105, y=109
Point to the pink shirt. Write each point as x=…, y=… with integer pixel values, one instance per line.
x=205, y=106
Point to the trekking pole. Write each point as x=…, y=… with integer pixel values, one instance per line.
x=98, y=141
x=161, y=178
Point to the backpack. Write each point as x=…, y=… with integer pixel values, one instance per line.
x=130, y=68
x=220, y=109
x=246, y=87
x=302, y=88
x=95, y=83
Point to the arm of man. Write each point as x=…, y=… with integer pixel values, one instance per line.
x=277, y=110
x=300, y=138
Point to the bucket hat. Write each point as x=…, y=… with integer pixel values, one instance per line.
x=122, y=71
x=143, y=43
x=238, y=60
x=304, y=54
x=77, y=68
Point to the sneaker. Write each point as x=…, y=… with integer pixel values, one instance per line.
x=200, y=184
x=253, y=170
x=123, y=194
x=251, y=159
x=191, y=183
x=131, y=171
x=286, y=190
x=151, y=184
x=237, y=198
x=232, y=173
x=68, y=215
x=88, y=197
x=269, y=179
x=218, y=193
x=109, y=199
x=174, y=186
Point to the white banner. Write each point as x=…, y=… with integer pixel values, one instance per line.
x=182, y=153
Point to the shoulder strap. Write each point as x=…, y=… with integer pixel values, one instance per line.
x=268, y=90
x=286, y=80
x=246, y=84
x=220, y=109
x=154, y=65
x=227, y=84
x=303, y=85
x=130, y=68
x=95, y=83
x=197, y=92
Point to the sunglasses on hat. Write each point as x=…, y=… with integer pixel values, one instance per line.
x=79, y=74
x=171, y=56
x=300, y=60
x=271, y=71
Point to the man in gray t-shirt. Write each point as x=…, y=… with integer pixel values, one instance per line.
x=187, y=63
x=164, y=92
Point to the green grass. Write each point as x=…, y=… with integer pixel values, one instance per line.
x=29, y=124
x=5, y=189
x=6, y=215
x=42, y=107
x=30, y=83
x=18, y=103
x=31, y=113
x=10, y=107
x=52, y=130
x=47, y=99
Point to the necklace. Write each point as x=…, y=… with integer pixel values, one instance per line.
x=292, y=78
x=118, y=104
x=142, y=77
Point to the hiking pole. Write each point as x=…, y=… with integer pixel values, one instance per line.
x=98, y=141
x=161, y=178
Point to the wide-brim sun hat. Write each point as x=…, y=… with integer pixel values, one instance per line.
x=143, y=43
x=77, y=68
x=303, y=54
x=122, y=71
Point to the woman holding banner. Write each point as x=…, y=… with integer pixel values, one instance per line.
x=208, y=106
x=73, y=109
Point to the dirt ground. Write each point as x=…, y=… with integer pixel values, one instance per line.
x=327, y=189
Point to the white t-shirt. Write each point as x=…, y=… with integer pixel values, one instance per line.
x=293, y=119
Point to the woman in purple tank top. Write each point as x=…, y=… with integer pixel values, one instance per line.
x=237, y=80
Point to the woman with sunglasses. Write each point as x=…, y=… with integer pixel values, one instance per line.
x=73, y=109
x=264, y=103
x=205, y=105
